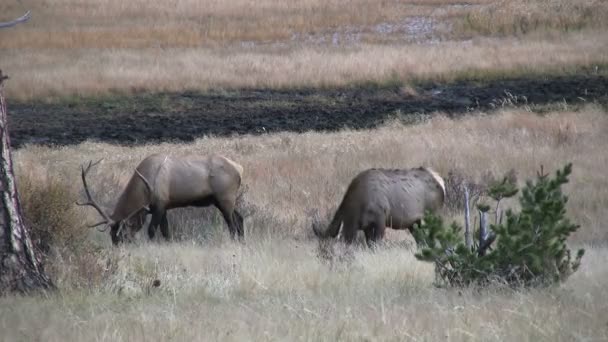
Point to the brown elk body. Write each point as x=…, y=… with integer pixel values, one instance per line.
x=380, y=198
x=162, y=182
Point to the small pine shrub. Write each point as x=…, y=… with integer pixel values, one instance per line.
x=530, y=245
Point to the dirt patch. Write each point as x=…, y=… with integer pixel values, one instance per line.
x=418, y=29
x=186, y=116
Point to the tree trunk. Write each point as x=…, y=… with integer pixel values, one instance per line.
x=485, y=239
x=467, y=219
x=20, y=269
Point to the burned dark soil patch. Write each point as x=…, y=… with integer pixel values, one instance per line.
x=186, y=116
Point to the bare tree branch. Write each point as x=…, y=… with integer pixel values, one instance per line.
x=21, y=19
x=486, y=243
x=467, y=218
x=485, y=238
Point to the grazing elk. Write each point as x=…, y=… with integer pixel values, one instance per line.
x=380, y=198
x=162, y=182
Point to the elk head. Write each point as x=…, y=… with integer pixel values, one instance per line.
x=117, y=231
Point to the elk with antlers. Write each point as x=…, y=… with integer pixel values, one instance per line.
x=162, y=182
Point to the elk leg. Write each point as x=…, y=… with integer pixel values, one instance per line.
x=164, y=227
x=374, y=230
x=369, y=235
x=227, y=209
x=230, y=222
x=151, y=229
x=238, y=220
x=349, y=231
x=376, y=235
x=114, y=234
x=154, y=222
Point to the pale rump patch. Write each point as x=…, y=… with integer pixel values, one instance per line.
x=437, y=178
x=237, y=166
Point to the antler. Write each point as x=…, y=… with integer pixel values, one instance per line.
x=21, y=19
x=107, y=221
x=90, y=201
x=147, y=186
x=144, y=207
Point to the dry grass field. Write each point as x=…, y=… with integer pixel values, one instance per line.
x=287, y=175
x=275, y=287
x=98, y=47
x=270, y=291
x=79, y=54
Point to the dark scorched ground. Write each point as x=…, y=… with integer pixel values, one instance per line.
x=144, y=118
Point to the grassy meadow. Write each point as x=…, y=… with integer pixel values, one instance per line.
x=277, y=286
x=100, y=47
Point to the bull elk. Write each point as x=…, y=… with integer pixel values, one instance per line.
x=380, y=198
x=162, y=182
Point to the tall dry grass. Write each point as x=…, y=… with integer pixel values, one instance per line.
x=276, y=287
x=49, y=210
x=287, y=174
x=97, y=47
x=508, y=17
x=280, y=291
x=97, y=71
x=189, y=23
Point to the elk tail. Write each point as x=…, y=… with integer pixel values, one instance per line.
x=438, y=179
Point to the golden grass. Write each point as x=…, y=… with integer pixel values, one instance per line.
x=96, y=47
x=507, y=17
x=275, y=287
x=289, y=174
x=188, y=23
x=279, y=290
x=99, y=71
x=49, y=209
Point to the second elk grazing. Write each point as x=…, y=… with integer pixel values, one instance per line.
x=162, y=182
x=380, y=198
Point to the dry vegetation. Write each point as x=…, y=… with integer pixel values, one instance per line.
x=271, y=291
x=92, y=47
x=275, y=286
x=508, y=17
x=191, y=23
x=287, y=174
x=178, y=69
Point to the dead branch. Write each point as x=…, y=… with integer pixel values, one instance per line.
x=14, y=22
